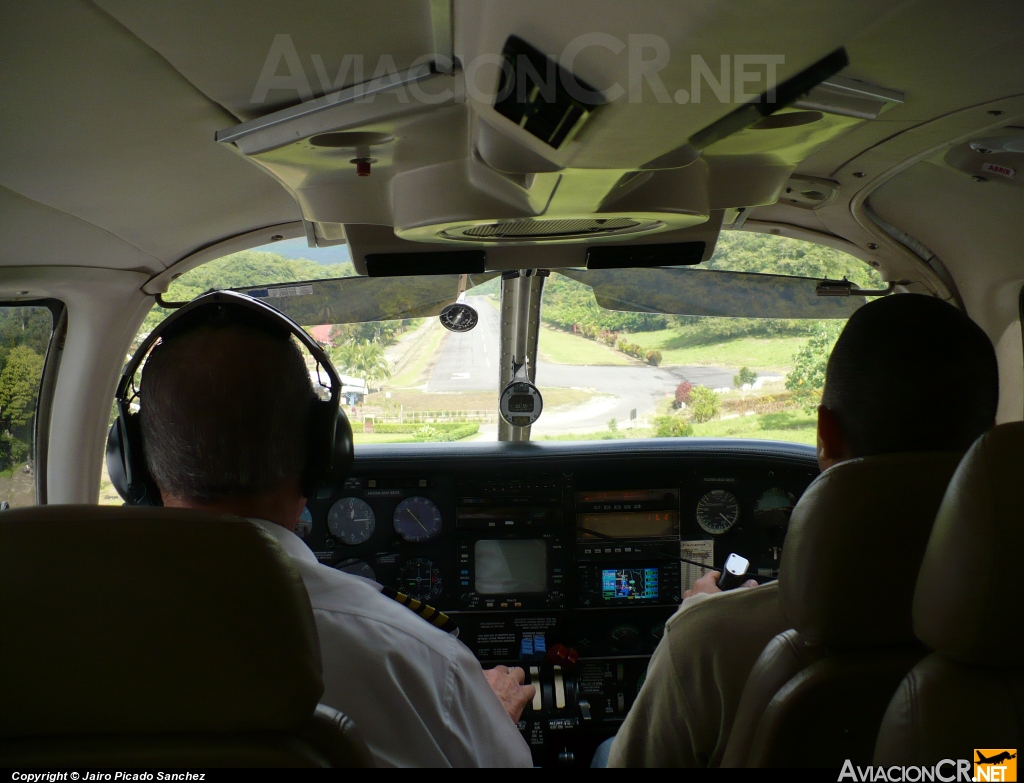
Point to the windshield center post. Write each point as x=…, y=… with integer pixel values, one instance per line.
x=521, y=292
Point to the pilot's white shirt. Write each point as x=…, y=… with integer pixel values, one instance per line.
x=417, y=694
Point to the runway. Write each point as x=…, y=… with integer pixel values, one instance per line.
x=469, y=362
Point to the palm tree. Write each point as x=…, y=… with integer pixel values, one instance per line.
x=365, y=360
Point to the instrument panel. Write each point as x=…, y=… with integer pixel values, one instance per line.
x=561, y=559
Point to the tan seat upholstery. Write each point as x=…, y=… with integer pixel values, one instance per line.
x=968, y=607
x=151, y=636
x=817, y=693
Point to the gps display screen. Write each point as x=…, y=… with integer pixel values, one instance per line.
x=514, y=567
x=629, y=583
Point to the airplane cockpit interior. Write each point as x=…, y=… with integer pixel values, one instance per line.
x=567, y=279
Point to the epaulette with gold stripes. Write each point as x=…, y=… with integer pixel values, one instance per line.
x=433, y=616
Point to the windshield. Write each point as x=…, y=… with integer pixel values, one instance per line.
x=650, y=374
x=425, y=383
x=605, y=368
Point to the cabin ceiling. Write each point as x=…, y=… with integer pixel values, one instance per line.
x=108, y=157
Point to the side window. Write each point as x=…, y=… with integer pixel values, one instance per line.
x=24, y=337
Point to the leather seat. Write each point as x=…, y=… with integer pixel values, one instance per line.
x=152, y=636
x=817, y=693
x=968, y=607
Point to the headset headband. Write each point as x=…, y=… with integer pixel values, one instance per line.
x=329, y=450
x=261, y=310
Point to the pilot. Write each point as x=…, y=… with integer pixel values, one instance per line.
x=908, y=373
x=224, y=428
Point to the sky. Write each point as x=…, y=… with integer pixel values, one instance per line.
x=298, y=248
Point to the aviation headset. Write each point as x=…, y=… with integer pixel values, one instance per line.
x=329, y=453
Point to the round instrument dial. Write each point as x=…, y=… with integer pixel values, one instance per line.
x=357, y=567
x=774, y=507
x=717, y=511
x=352, y=520
x=459, y=317
x=417, y=519
x=305, y=524
x=776, y=499
x=420, y=578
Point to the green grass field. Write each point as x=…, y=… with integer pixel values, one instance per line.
x=792, y=426
x=559, y=347
x=364, y=438
x=774, y=354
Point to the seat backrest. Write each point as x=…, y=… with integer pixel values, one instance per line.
x=968, y=607
x=856, y=538
x=157, y=636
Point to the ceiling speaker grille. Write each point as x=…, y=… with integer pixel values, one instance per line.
x=548, y=229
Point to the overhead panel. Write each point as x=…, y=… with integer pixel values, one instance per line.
x=530, y=140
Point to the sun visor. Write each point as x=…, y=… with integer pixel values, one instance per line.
x=349, y=300
x=711, y=292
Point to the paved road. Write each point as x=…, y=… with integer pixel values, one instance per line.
x=469, y=362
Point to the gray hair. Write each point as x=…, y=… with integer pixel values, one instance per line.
x=225, y=411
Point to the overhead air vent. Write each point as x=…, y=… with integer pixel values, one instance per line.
x=549, y=230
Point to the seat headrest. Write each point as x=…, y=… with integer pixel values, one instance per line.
x=150, y=620
x=969, y=603
x=854, y=545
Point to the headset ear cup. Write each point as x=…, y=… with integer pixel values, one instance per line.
x=115, y=460
x=344, y=449
x=125, y=458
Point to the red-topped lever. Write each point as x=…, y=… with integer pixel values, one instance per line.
x=561, y=655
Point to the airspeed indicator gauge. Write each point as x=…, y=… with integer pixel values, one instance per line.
x=352, y=520
x=717, y=511
x=459, y=317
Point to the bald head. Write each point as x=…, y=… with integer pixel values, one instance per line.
x=224, y=410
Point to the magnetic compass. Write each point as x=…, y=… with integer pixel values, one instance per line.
x=459, y=317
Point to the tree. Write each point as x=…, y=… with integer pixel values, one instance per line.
x=19, y=387
x=383, y=332
x=29, y=326
x=568, y=303
x=613, y=425
x=704, y=404
x=241, y=270
x=807, y=379
x=364, y=360
x=672, y=427
x=746, y=375
x=683, y=391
